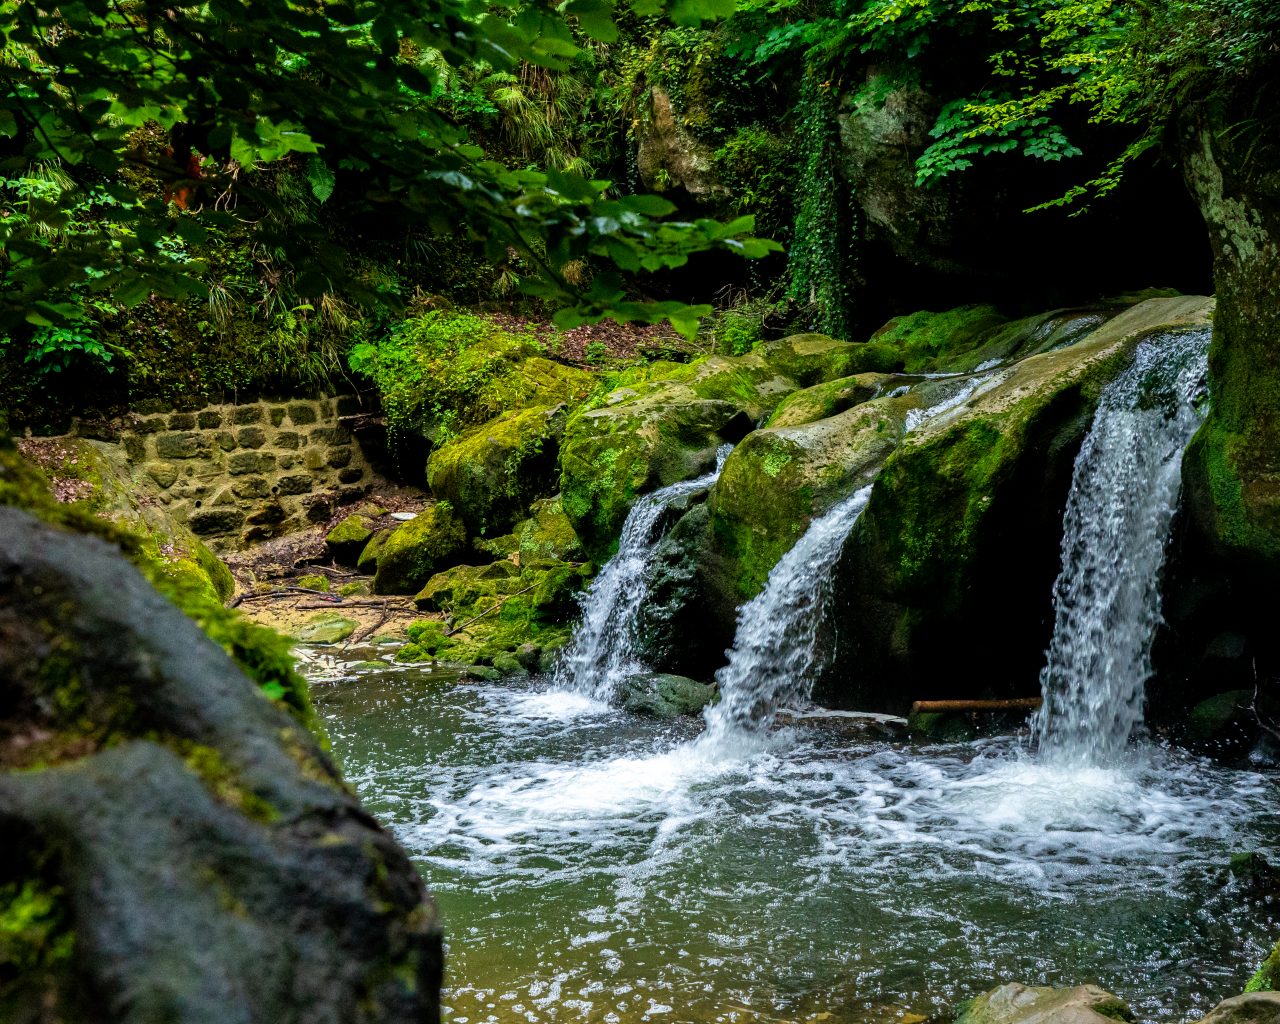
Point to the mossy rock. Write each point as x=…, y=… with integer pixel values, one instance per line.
x=356, y=588
x=418, y=549
x=963, y=528
x=314, y=581
x=509, y=664
x=159, y=767
x=1267, y=976
x=940, y=727
x=430, y=636
x=653, y=433
x=812, y=359
x=545, y=534
x=367, y=563
x=658, y=695
x=325, y=628
x=935, y=342
x=348, y=539
x=1021, y=1004
x=491, y=473
x=823, y=401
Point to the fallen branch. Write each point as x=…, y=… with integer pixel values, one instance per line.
x=1013, y=704
x=488, y=611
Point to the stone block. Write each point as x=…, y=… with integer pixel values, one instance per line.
x=297, y=484
x=225, y=440
x=267, y=515
x=338, y=457
x=314, y=459
x=251, y=437
x=152, y=425
x=245, y=463
x=209, y=419
x=242, y=414
x=326, y=409
x=251, y=487
x=276, y=415
x=211, y=521
x=165, y=474
x=286, y=460
x=301, y=414
x=225, y=497
x=288, y=439
x=350, y=405
x=331, y=435
x=135, y=448
x=182, y=421
x=350, y=475
x=180, y=446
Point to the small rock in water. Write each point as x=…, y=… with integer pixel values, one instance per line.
x=666, y=696
x=1250, y=1008
x=1021, y=1004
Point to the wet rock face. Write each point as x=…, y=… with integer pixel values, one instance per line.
x=177, y=847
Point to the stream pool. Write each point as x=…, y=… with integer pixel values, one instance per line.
x=594, y=866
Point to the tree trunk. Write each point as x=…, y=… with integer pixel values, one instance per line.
x=1230, y=151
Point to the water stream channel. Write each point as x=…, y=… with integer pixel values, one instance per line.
x=595, y=866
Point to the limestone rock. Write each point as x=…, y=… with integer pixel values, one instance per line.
x=418, y=549
x=669, y=156
x=491, y=473
x=185, y=850
x=666, y=696
x=1249, y=1008
x=347, y=540
x=964, y=523
x=654, y=433
x=1020, y=1004
x=823, y=401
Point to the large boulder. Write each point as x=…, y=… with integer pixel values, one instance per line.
x=668, y=156
x=491, y=473
x=657, y=695
x=962, y=533
x=1021, y=1004
x=1249, y=1008
x=177, y=846
x=653, y=433
x=348, y=538
x=418, y=549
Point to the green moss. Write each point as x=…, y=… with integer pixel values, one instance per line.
x=415, y=550
x=825, y=400
x=927, y=342
x=37, y=940
x=314, y=581
x=1266, y=978
x=224, y=783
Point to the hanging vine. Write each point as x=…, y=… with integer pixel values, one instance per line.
x=822, y=269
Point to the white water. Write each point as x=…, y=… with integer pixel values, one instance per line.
x=602, y=654
x=778, y=647
x=1107, y=597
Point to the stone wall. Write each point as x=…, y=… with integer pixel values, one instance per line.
x=241, y=473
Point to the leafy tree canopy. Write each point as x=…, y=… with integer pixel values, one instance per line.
x=348, y=85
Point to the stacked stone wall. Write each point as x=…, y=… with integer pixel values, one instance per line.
x=241, y=473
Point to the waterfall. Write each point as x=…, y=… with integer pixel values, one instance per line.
x=777, y=649
x=602, y=653
x=1107, y=597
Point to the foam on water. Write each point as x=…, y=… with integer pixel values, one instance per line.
x=602, y=654
x=605, y=857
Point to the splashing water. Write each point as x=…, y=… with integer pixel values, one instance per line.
x=777, y=648
x=1107, y=597
x=602, y=653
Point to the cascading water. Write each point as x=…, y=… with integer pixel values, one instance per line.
x=602, y=653
x=1107, y=596
x=776, y=650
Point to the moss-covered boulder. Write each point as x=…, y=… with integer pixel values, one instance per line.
x=91, y=478
x=418, y=549
x=962, y=532
x=178, y=846
x=652, y=433
x=1252, y=1007
x=1022, y=1004
x=491, y=473
x=367, y=563
x=831, y=398
x=545, y=534
x=347, y=540
x=657, y=695
x=499, y=608
x=810, y=359
x=325, y=628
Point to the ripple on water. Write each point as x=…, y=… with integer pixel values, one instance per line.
x=592, y=866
